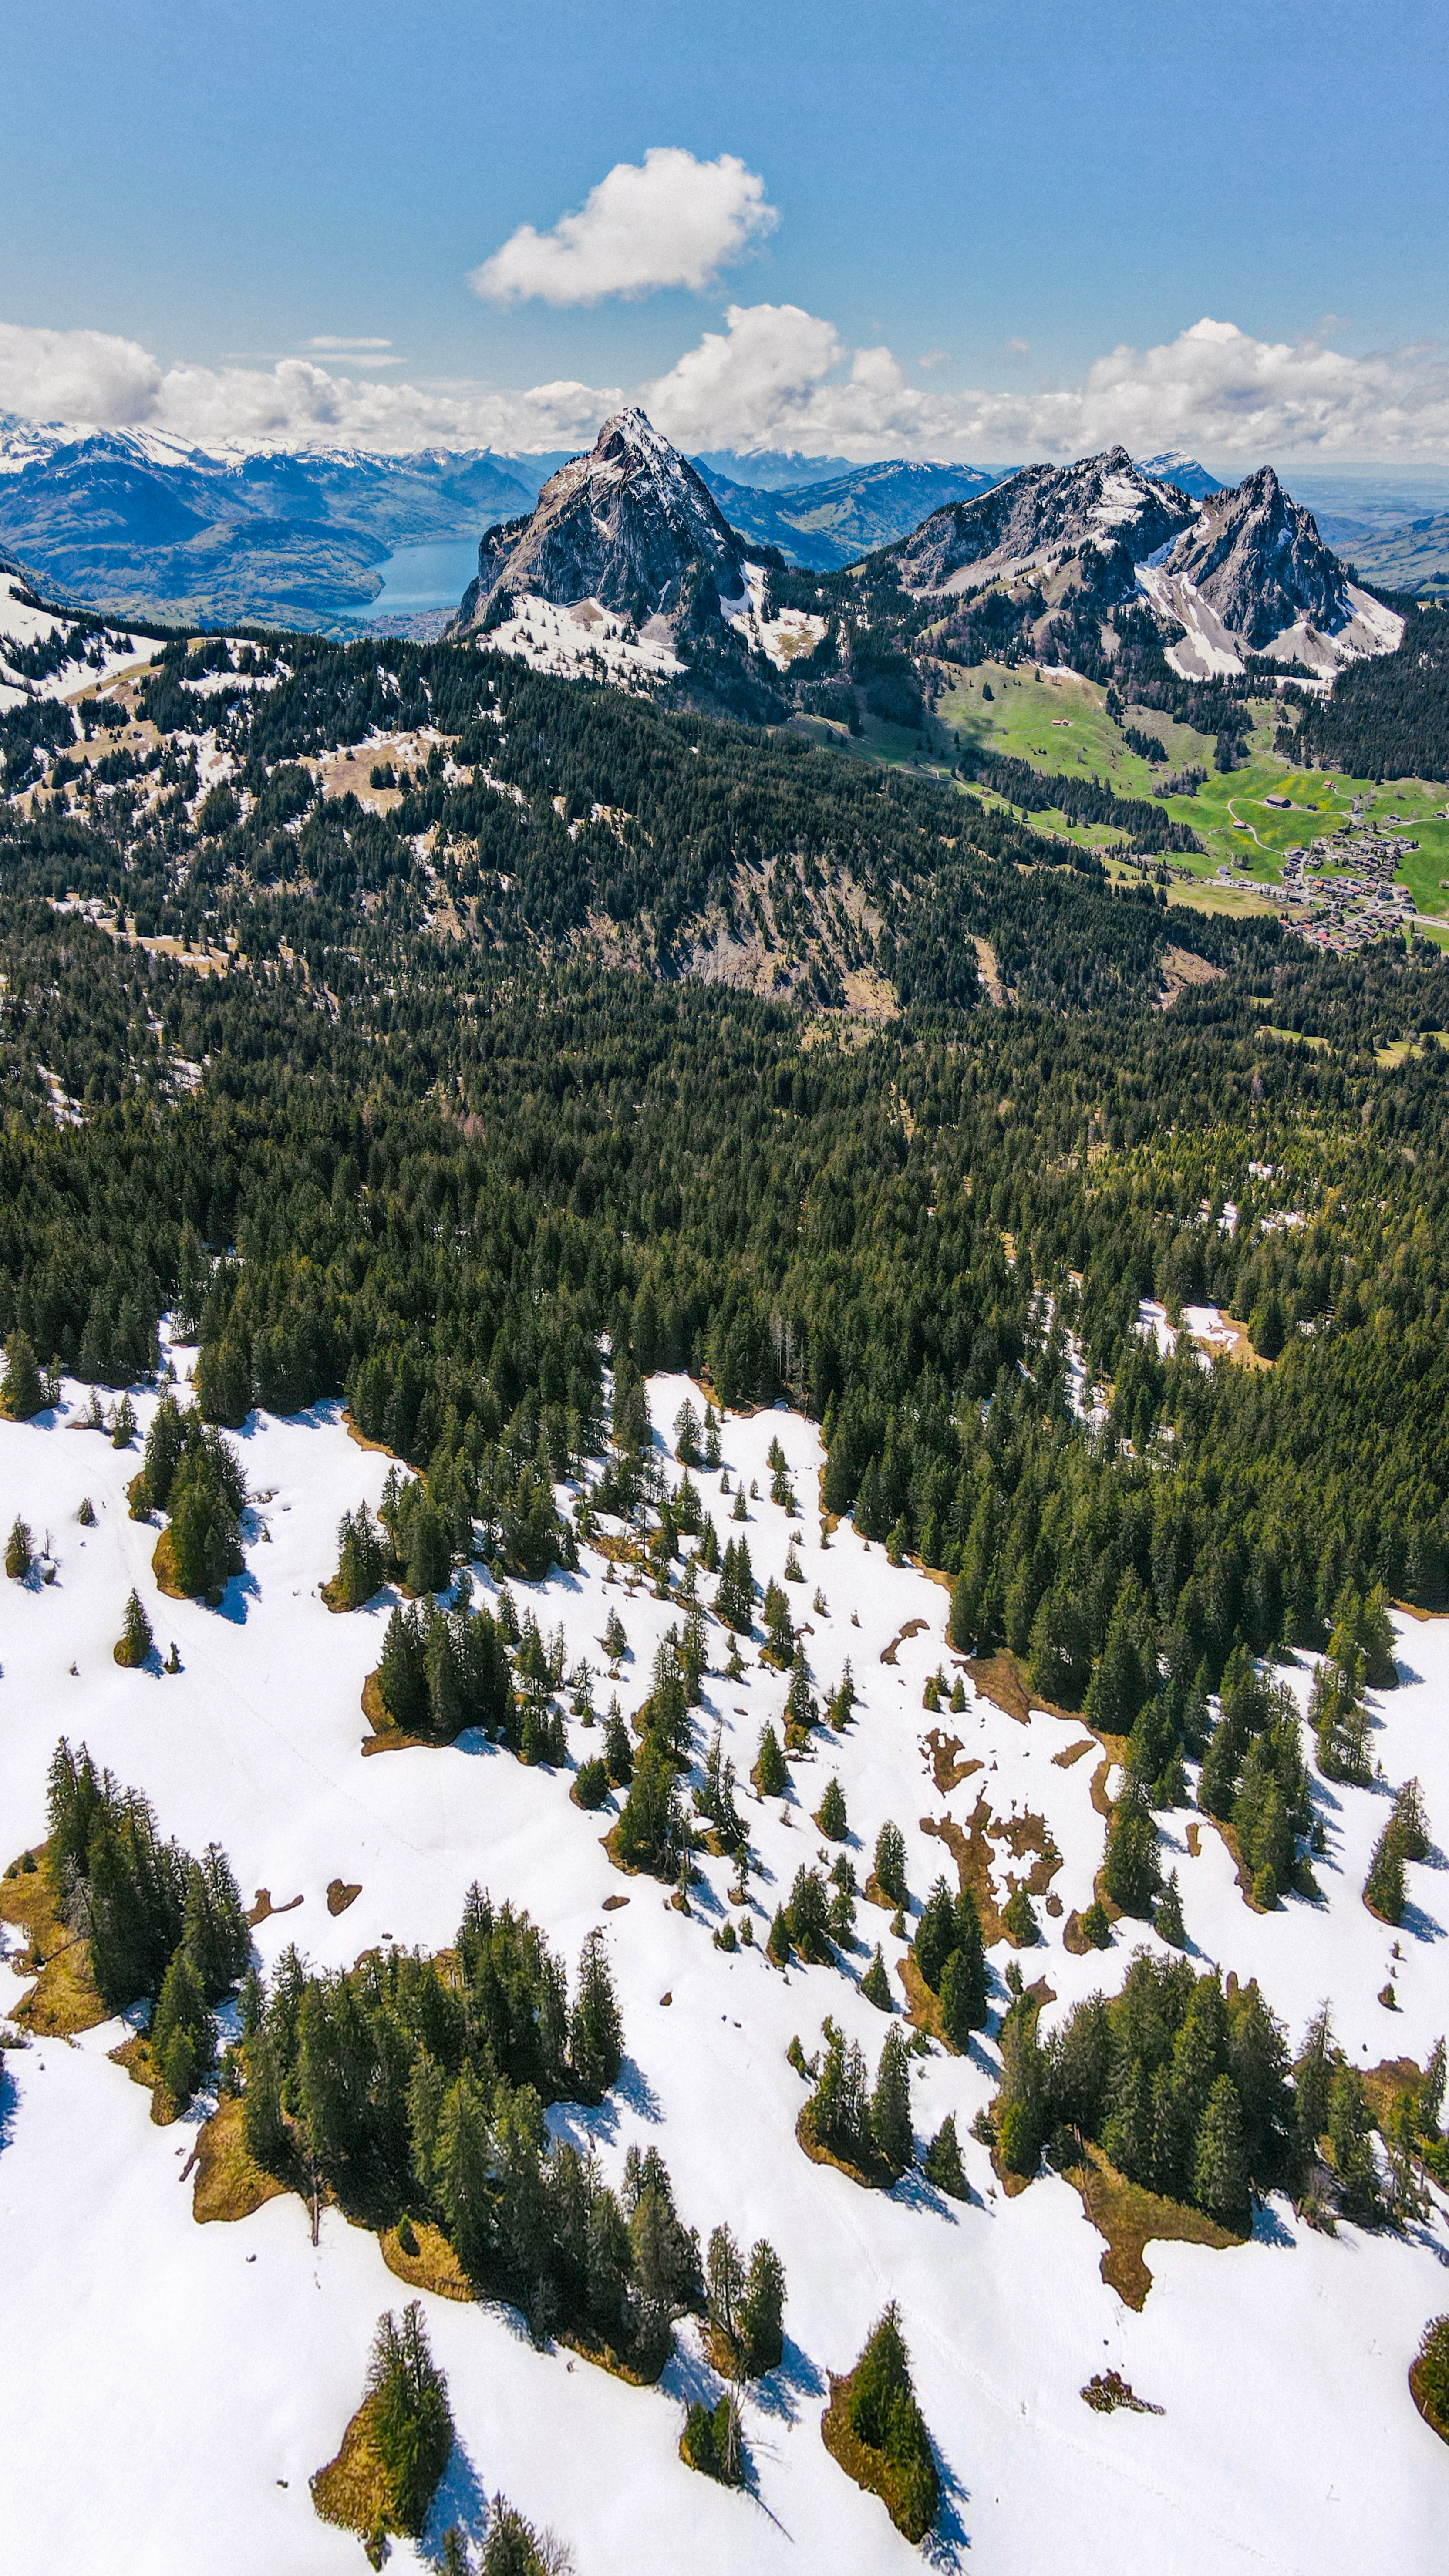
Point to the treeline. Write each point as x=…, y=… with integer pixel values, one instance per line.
x=1080, y=799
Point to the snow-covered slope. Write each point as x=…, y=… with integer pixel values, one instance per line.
x=171, y=2385
x=1039, y=515
x=84, y=656
x=1252, y=574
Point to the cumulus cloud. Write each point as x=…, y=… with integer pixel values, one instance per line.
x=774, y=376
x=670, y=221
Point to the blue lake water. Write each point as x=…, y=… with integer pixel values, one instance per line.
x=433, y=576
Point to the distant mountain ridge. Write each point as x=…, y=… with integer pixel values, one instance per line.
x=827, y=524
x=139, y=521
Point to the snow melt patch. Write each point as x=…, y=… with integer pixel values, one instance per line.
x=583, y=640
x=177, y=2384
x=781, y=639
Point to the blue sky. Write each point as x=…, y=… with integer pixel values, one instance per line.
x=1000, y=197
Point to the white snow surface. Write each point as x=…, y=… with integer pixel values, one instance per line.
x=174, y=2385
x=781, y=638
x=1209, y=646
x=584, y=638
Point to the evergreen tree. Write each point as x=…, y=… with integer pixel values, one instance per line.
x=1131, y=1874
x=596, y=2033
x=1350, y=2137
x=890, y=1862
x=1220, y=2177
x=761, y=2311
x=1167, y=1914
x=875, y=1985
x=135, y=1642
x=883, y=2415
x=963, y=1986
x=402, y=1675
x=831, y=1813
x=890, y=2104
x=1384, y=1890
x=941, y=2163
x=22, y=1389
x=19, y=1550
x=936, y=1934
x=412, y=2424
x=618, y=1750
x=181, y=2032
x=1019, y=1919
x=808, y=1915
x=771, y=1776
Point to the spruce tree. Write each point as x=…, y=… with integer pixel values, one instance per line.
x=1167, y=1915
x=1020, y=1921
x=596, y=2033
x=890, y=1862
x=875, y=1985
x=402, y=1677
x=22, y=1389
x=135, y=1642
x=890, y=2104
x=1350, y=2137
x=1220, y=2171
x=412, y=2424
x=618, y=1747
x=941, y=2163
x=936, y=1934
x=19, y=1550
x=181, y=2033
x=771, y=1776
x=831, y=1815
x=1384, y=1891
x=963, y=1993
x=761, y=2311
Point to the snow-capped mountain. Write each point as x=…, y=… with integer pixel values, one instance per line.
x=1227, y=574
x=1253, y=572
x=624, y=525
x=824, y=523
x=1182, y=471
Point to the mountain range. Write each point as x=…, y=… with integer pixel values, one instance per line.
x=1064, y=563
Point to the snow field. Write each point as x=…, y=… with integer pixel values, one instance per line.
x=165, y=2382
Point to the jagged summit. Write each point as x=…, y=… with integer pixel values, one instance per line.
x=624, y=525
x=1253, y=574
x=1044, y=512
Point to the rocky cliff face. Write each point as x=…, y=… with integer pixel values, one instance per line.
x=1258, y=560
x=626, y=525
x=1044, y=512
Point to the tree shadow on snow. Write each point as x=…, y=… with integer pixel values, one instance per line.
x=461, y=2501
x=782, y=2392
x=1419, y=1925
x=1270, y=2228
x=947, y=2540
x=242, y=1588
x=9, y=2104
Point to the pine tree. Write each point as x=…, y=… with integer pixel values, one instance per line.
x=761, y=2311
x=412, y=2424
x=808, y=1915
x=890, y=1862
x=875, y=1985
x=135, y=1642
x=1384, y=1891
x=890, y=2104
x=831, y=1814
x=1220, y=2173
x=772, y=1778
x=19, y=1551
x=1167, y=1915
x=1313, y=2083
x=22, y=1389
x=936, y=1934
x=1350, y=2136
x=883, y=2414
x=1020, y=1921
x=1410, y=1823
x=942, y=2165
x=181, y=2032
x=1130, y=1873
x=402, y=1677
x=596, y=2033
x=963, y=1987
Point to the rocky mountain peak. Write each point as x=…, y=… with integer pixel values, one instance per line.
x=625, y=525
x=1255, y=555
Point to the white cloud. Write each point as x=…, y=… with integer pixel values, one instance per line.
x=672, y=221
x=775, y=376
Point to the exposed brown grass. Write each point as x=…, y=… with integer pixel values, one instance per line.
x=1436, y=2420
x=1107, y=2390
x=263, y=1908
x=875, y=2176
x=385, y=1737
x=63, y=1999
x=1130, y=2218
x=922, y=2007
x=1071, y=1753
x=229, y=2185
x=944, y=1760
x=353, y=2490
x=971, y=1850
x=135, y=2055
x=341, y=1893
x=912, y=1628
x=434, y=2266
x=870, y=2469
x=163, y=1566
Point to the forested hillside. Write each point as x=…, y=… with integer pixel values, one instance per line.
x=1388, y=718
